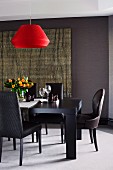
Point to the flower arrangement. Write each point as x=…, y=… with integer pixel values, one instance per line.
x=20, y=85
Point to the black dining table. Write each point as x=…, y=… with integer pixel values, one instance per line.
x=70, y=107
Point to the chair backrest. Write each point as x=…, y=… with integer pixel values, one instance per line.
x=56, y=89
x=33, y=90
x=97, y=102
x=10, y=115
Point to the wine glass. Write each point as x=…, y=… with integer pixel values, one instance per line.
x=42, y=92
x=47, y=90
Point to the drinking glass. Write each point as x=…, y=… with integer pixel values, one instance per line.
x=42, y=92
x=47, y=90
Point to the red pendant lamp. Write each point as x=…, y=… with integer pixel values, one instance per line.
x=30, y=36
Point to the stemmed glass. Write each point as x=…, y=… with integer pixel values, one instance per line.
x=42, y=92
x=47, y=90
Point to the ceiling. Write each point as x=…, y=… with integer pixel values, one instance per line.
x=40, y=9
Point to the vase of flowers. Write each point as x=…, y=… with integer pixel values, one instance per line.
x=20, y=85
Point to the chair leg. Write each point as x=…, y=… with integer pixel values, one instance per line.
x=14, y=143
x=8, y=139
x=91, y=135
x=95, y=139
x=32, y=137
x=1, y=141
x=21, y=152
x=64, y=132
x=61, y=124
x=39, y=139
x=46, y=128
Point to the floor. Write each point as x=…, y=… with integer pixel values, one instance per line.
x=53, y=153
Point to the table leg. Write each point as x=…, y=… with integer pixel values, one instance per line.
x=70, y=136
x=79, y=134
x=79, y=131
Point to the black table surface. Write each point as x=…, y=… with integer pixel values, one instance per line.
x=65, y=106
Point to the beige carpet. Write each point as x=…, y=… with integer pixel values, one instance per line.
x=53, y=153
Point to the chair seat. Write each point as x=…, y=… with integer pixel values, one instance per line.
x=29, y=128
x=81, y=118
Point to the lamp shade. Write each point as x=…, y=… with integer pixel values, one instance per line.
x=30, y=36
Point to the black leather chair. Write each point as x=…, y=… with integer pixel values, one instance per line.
x=56, y=89
x=91, y=120
x=33, y=91
x=11, y=124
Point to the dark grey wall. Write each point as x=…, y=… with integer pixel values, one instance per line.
x=90, y=60
x=90, y=54
x=110, y=67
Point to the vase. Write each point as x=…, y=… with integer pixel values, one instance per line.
x=21, y=94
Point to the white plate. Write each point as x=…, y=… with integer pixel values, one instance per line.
x=41, y=100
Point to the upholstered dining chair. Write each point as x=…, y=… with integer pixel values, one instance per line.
x=33, y=90
x=56, y=89
x=11, y=124
x=91, y=120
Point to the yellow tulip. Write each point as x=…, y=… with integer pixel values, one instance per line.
x=23, y=80
x=10, y=80
x=20, y=82
x=24, y=85
x=13, y=86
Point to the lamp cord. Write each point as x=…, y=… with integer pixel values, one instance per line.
x=30, y=10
